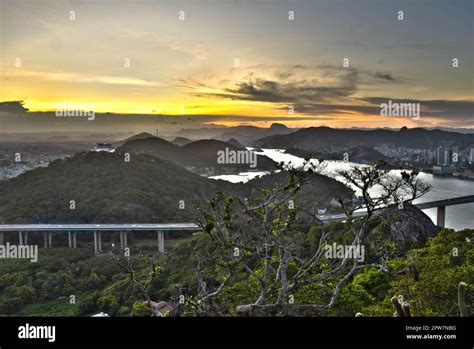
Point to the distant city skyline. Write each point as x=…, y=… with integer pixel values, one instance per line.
x=301, y=63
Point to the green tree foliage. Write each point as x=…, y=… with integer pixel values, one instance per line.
x=274, y=266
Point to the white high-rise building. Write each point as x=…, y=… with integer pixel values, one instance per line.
x=447, y=159
x=439, y=156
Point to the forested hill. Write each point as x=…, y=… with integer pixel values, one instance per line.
x=105, y=188
x=203, y=153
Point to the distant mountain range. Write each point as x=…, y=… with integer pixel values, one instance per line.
x=181, y=141
x=200, y=154
x=330, y=139
x=143, y=135
x=244, y=134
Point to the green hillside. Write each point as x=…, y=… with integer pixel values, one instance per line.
x=105, y=188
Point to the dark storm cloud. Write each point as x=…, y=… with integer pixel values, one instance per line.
x=264, y=90
x=301, y=84
x=333, y=92
x=278, y=92
x=284, y=74
x=260, y=90
x=384, y=76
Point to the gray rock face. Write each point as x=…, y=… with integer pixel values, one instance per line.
x=407, y=224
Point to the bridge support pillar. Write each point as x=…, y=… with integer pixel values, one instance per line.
x=25, y=238
x=95, y=242
x=161, y=242
x=20, y=238
x=441, y=216
x=50, y=239
x=69, y=238
x=45, y=239
x=123, y=240
x=1, y=238
x=74, y=240
x=99, y=236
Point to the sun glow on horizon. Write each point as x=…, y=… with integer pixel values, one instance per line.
x=221, y=68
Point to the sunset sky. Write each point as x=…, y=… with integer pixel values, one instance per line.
x=187, y=66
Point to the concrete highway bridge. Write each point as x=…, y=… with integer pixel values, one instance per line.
x=439, y=204
x=96, y=229
x=99, y=229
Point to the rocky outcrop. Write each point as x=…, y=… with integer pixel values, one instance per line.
x=407, y=224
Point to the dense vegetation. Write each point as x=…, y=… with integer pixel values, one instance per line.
x=99, y=284
x=105, y=189
x=261, y=250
